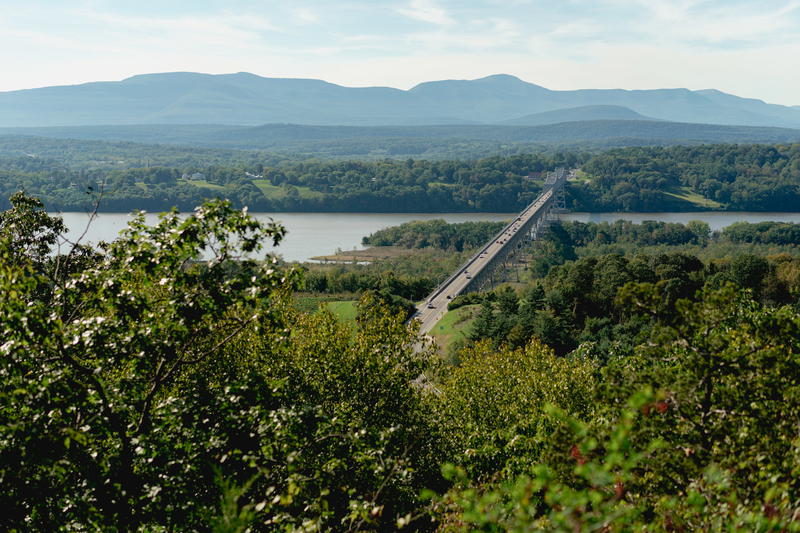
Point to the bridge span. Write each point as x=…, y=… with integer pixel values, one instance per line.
x=481, y=268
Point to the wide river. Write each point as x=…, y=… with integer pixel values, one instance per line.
x=312, y=234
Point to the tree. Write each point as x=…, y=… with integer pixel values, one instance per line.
x=726, y=371
x=484, y=325
x=700, y=229
x=492, y=404
x=29, y=232
x=154, y=391
x=749, y=271
x=91, y=377
x=593, y=496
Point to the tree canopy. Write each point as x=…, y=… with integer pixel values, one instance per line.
x=146, y=390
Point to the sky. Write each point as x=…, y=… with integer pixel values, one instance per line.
x=748, y=48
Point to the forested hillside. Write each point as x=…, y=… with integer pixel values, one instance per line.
x=126, y=176
x=731, y=177
x=492, y=185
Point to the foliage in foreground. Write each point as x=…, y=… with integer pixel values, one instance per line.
x=145, y=391
x=707, y=442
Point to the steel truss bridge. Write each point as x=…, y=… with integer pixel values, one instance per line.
x=488, y=265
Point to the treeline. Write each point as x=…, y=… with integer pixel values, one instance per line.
x=347, y=280
x=733, y=177
x=647, y=233
x=145, y=392
x=435, y=234
x=725, y=177
x=781, y=233
x=581, y=301
x=653, y=233
x=489, y=185
x=564, y=238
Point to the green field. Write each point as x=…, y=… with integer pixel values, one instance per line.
x=205, y=184
x=686, y=193
x=343, y=310
x=454, y=325
x=580, y=175
x=278, y=192
x=311, y=302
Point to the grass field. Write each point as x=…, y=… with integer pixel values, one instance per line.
x=277, y=192
x=454, y=326
x=205, y=184
x=343, y=310
x=686, y=193
x=375, y=253
x=311, y=302
x=580, y=175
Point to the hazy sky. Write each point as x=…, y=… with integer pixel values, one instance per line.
x=749, y=48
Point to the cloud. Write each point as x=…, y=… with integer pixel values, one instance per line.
x=715, y=23
x=426, y=11
x=739, y=46
x=305, y=15
x=757, y=26
x=219, y=27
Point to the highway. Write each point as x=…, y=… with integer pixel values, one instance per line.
x=430, y=311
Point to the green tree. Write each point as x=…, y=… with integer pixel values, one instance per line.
x=492, y=404
x=155, y=391
x=29, y=232
x=726, y=372
x=86, y=374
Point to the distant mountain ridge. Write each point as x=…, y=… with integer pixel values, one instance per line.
x=247, y=99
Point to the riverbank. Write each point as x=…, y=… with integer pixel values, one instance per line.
x=312, y=235
x=367, y=255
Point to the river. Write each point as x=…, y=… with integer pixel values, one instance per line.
x=311, y=234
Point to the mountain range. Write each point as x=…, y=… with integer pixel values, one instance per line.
x=247, y=100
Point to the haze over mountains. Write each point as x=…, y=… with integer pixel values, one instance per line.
x=246, y=99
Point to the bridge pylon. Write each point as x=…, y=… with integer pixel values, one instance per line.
x=559, y=201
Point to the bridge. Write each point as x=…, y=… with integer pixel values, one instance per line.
x=493, y=258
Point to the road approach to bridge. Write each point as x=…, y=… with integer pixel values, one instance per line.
x=434, y=307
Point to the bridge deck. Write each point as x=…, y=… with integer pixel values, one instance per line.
x=430, y=311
